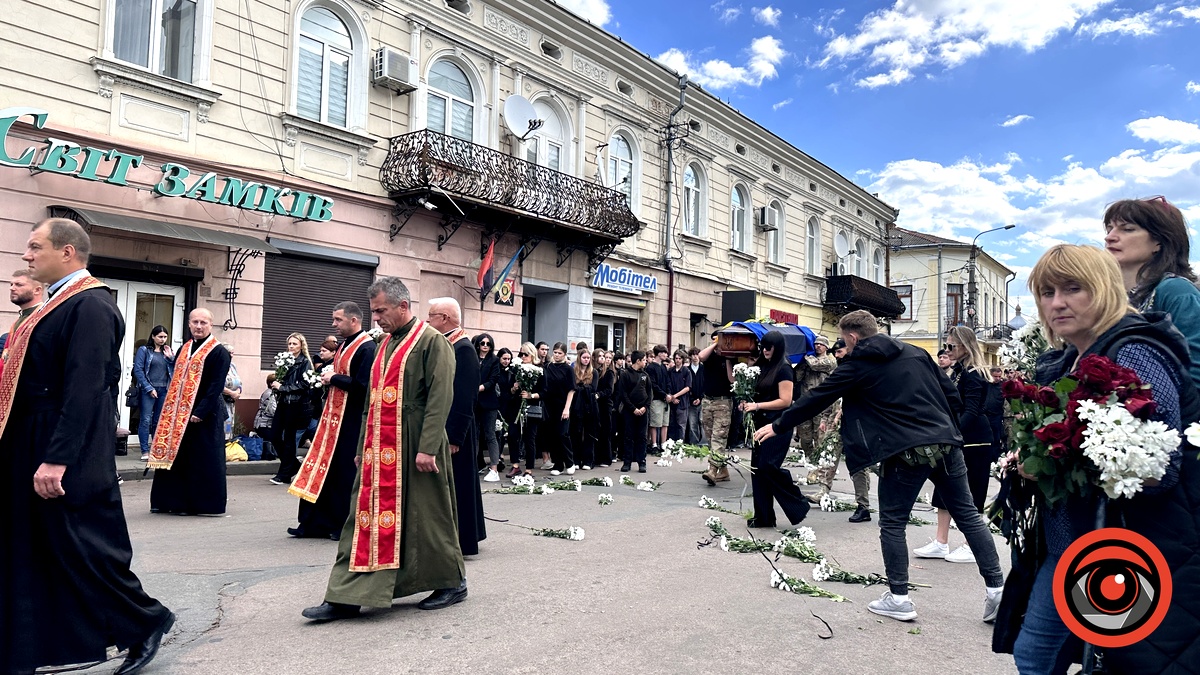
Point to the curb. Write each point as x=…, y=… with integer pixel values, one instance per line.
x=134, y=469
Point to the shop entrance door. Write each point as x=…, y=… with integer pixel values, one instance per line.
x=144, y=306
x=609, y=333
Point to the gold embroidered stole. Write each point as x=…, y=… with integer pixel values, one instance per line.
x=18, y=343
x=311, y=477
x=181, y=398
x=378, y=507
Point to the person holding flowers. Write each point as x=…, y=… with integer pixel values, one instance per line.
x=1098, y=443
x=529, y=381
x=294, y=409
x=558, y=391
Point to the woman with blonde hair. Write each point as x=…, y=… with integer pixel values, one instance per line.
x=973, y=379
x=584, y=410
x=294, y=409
x=606, y=383
x=523, y=436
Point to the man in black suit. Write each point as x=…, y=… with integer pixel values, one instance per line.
x=66, y=590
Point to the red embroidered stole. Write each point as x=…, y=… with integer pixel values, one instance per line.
x=18, y=342
x=181, y=398
x=376, y=544
x=455, y=335
x=311, y=478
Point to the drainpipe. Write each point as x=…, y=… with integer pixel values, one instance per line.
x=937, y=293
x=666, y=238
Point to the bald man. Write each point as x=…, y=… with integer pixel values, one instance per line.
x=66, y=590
x=188, y=453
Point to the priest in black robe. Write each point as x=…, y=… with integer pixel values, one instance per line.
x=66, y=590
x=195, y=482
x=445, y=315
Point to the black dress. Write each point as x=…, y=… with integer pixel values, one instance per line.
x=605, y=391
x=555, y=436
x=769, y=480
x=460, y=429
x=583, y=422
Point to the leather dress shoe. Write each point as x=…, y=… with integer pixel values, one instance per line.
x=860, y=515
x=301, y=533
x=444, y=597
x=141, y=654
x=330, y=611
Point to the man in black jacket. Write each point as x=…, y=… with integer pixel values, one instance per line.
x=634, y=394
x=660, y=384
x=900, y=411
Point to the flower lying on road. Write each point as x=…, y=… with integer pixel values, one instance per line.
x=606, y=499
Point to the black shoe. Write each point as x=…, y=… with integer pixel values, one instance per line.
x=301, y=533
x=330, y=611
x=754, y=522
x=141, y=654
x=335, y=536
x=860, y=515
x=624, y=467
x=444, y=597
x=641, y=468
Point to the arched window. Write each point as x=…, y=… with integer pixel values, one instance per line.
x=860, y=258
x=812, y=249
x=620, y=166
x=737, y=219
x=323, y=78
x=877, y=266
x=775, y=236
x=547, y=146
x=693, y=204
x=451, y=105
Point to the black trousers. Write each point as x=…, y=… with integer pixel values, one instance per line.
x=604, y=431
x=555, y=438
x=636, y=427
x=772, y=483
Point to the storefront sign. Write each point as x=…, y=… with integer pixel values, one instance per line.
x=87, y=163
x=779, y=316
x=624, y=280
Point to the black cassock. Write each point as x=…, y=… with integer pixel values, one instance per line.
x=66, y=591
x=328, y=514
x=195, y=483
x=460, y=428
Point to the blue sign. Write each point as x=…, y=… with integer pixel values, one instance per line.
x=624, y=280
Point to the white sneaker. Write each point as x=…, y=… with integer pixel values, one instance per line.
x=887, y=606
x=991, y=606
x=546, y=466
x=492, y=477
x=571, y=470
x=933, y=549
x=554, y=472
x=962, y=554
x=585, y=467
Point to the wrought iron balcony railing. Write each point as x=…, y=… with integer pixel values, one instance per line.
x=425, y=161
x=844, y=293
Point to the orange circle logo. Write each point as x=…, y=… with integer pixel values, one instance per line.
x=1112, y=587
x=389, y=395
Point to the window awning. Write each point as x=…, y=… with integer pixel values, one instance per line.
x=173, y=231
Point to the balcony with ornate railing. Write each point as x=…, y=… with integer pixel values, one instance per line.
x=511, y=194
x=845, y=293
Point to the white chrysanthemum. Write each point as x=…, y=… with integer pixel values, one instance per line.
x=646, y=486
x=776, y=579
x=668, y=445
x=576, y=534
x=713, y=521
x=1193, y=434
x=606, y=499
x=724, y=543
x=578, y=486
x=707, y=502
x=663, y=461
x=822, y=572
x=375, y=333
x=608, y=482
x=827, y=503
x=805, y=534
x=1127, y=451
x=545, y=490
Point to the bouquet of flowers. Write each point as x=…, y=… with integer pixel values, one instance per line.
x=283, y=361
x=647, y=486
x=566, y=485
x=1090, y=429
x=799, y=544
x=707, y=502
x=313, y=379
x=786, y=582
x=599, y=482
x=606, y=499
x=1022, y=350
x=376, y=333
x=572, y=533
x=745, y=385
x=527, y=378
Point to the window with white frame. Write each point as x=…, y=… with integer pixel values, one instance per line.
x=323, y=79
x=905, y=295
x=877, y=266
x=775, y=236
x=737, y=219
x=620, y=166
x=860, y=258
x=450, y=108
x=547, y=147
x=812, y=248
x=693, y=191
x=161, y=36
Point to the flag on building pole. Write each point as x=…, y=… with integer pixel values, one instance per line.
x=507, y=269
x=484, y=280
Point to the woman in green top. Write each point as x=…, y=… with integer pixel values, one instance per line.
x=1149, y=239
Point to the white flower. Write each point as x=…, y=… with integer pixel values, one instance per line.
x=827, y=503
x=663, y=461
x=668, y=445
x=544, y=490
x=713, y=521
x=707, y=502
x=724, y=543
x=608, y=482
x=1193, y=434
x=626, y=480
x=578, y=486
x=375, y=333
x=776, y=579
x=606, y=499
x=1126, y=450
x=822, y=572
x=523, y=480
x=576, y=534
x=805, y=534
x=646, y=486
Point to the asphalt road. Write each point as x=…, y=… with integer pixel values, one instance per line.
x=636, y=595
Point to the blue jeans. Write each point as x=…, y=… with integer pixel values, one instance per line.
x=150, y=409
x=1039, y=649
x=694, y=431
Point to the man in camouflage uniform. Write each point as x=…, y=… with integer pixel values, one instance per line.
x=828, y=454
x=716, y=414
x=810, y=373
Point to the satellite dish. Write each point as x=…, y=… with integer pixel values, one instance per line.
x=520, y=116
x=841, y=245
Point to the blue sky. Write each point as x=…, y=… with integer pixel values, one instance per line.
x=964, y=114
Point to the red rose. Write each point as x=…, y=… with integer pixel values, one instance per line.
x=1012, y=389
x=1057, y=450
x=1047, y=397
x=1077, y=436
x=1141, y=408
x=1058, y=432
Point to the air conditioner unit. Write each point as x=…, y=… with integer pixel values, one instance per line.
x=837, y=269
x=395, y=70
x=768, y=219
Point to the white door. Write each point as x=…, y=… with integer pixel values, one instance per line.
x=144, y=306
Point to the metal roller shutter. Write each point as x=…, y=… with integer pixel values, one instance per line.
x=299, y=295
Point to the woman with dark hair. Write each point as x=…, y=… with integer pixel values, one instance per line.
x=510, y=403
x=153, y=366
x=769, y=480
x=606, y=383
x=584, y=409
x=1149, y=239
x=973, y=379
x=557, y=394
x=294, y=409
x=487, y=406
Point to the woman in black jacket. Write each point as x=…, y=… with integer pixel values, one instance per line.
x=769, y=480
x=487, y=406
x=606, y=383
x=294, y=409
x=510, y=403
x=584, y=409
x=557, y=394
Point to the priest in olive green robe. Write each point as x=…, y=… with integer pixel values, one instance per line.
x=391, y=551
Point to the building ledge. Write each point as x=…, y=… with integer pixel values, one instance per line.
x=695, y=240
x=294, y=127
x=111, y=72
x=735, y=254
x=778, y=269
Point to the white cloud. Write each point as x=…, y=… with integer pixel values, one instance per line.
x=596, y=11
x=727, y=13
x=784, y=102
x=767, y=15
x=1193, y=87
x=1015, y=120
x=1165, y=131
x=763, y=58
x=1137, y=25
x=1187, y=12
x=914, y=34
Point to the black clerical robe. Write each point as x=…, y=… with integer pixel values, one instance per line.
x=195, y=483
x=327, y=515
x=66, y=590
x=461, y=430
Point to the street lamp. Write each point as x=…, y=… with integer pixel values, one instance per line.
x=972, y=290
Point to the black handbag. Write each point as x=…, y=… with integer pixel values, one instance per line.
x=534, y=412
x=133, y=395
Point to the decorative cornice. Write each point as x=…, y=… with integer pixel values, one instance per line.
x=110, y=72
x=293, y=126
